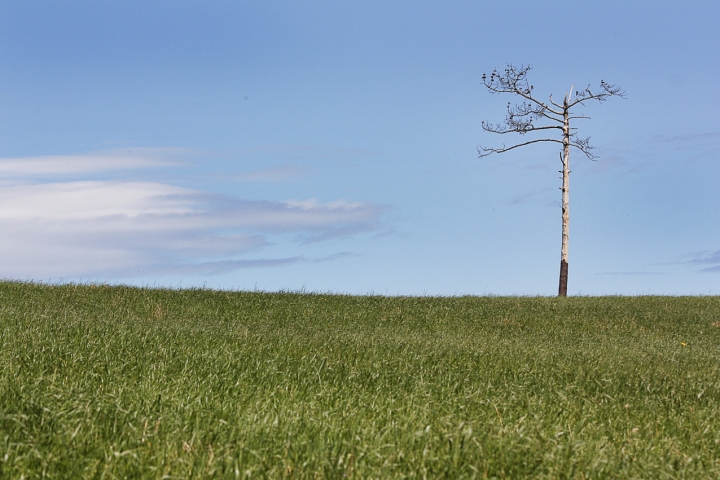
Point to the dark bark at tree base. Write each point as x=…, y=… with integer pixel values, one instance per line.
x=562, y=291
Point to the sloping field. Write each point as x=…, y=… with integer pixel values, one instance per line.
x=116, y=382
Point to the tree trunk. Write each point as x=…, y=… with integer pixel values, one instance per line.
x=562, y=290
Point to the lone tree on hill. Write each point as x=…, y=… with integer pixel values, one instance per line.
x=522, y=118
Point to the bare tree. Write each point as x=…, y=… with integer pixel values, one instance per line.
x=533, y=115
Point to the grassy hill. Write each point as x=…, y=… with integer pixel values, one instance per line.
x=118, y=382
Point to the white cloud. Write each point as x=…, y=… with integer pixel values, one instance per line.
x=113, y=160
x=122, y=229
x=91, y=200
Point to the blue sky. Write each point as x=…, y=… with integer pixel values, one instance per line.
x=332, y=146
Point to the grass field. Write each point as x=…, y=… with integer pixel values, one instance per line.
x=117, y=382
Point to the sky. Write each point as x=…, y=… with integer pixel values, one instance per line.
x=332, y=146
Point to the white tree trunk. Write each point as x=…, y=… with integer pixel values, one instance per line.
x=562, y=289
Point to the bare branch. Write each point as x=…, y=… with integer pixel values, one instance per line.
x=513, y=80
x=498, y=128
x=608, y=90
x=484, y=152
x=531, y=111
x=553, y=102
x=583, y=144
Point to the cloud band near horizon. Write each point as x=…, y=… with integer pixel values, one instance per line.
x=124, y=229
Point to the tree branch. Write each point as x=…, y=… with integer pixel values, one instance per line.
x=498, y=128
x=514, y=81
x=609, y=90
x=553, y=102
x=484, y=152
x=583, y=144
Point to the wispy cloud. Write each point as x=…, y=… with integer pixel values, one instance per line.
x=221, y=266
x=542, y=197
x=303, y=152
x=332, y=257
x=280, y=173
x=629, y=273
x=697, y=146
x=709, y=258
x=90, y=228
x=689, y=137
x=617, y=163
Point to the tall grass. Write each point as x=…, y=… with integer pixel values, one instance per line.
x=118, y=382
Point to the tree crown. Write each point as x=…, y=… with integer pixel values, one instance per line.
x=523, y=117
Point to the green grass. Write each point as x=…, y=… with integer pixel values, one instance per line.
x=118, y=382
